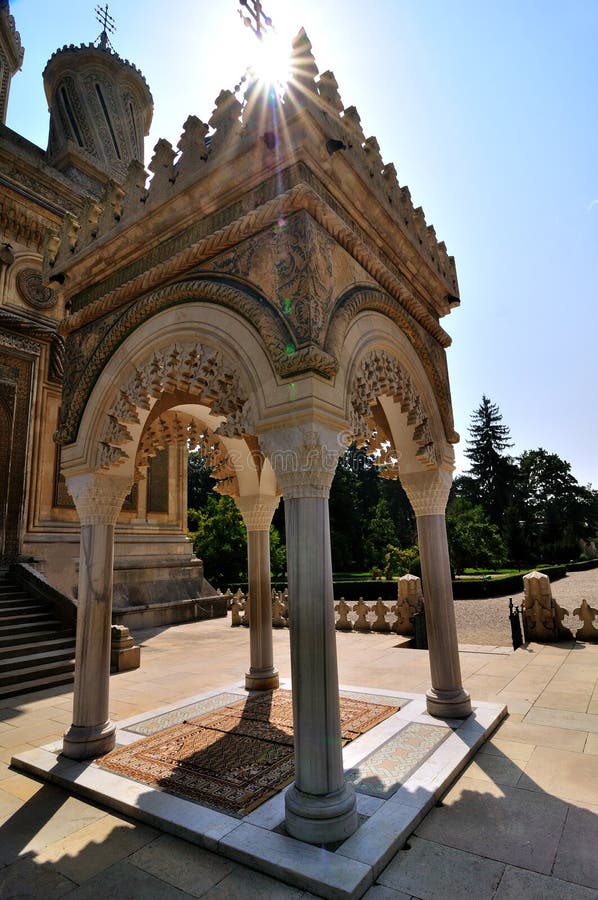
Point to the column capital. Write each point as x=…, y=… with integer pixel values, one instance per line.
x=304, y=458
x=98, y=497
x=428, y=491
x=257, y=510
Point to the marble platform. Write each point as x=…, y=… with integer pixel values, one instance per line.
x=400, y=769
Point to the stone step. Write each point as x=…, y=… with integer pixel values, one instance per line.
x=14, y=594
x=20, y=606
x=32, y=635
x=22, y=630
x=63, y=642
x=36, y=684
x=17, y=618
x=40, y=656
x=22, y=676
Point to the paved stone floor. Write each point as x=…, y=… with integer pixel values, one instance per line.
x=521, y=821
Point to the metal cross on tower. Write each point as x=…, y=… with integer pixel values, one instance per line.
x=257, y=19
x=108, y=26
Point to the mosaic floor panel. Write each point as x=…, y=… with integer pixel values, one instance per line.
x=383, y=772
x=182, y=714
x=234, y=757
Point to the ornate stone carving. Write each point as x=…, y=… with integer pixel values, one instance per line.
x=588, y=615
x=257, y=510
x=303, y=458
x=19, y=343
x=194, y=369
x=410, y=600
x=542, y=615
x=32, y=289
x=428, y=491
x=98, y=497
x=379, y=374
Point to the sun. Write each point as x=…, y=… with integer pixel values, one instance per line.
x=271, y=60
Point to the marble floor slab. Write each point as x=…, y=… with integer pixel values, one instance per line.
x=411, y=759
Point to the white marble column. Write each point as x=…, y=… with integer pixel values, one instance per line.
x=257, y=511
x=320, y=805
x=428, y=493
x=98, y=498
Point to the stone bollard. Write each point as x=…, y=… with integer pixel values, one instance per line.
x=124, y=652
x=343, y=609
x=380, y=624
x=285, y=607
x=542, y=616
x=410, y=601
x=235, y=611
x=244, y=601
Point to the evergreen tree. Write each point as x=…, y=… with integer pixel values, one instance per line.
x=492, y=471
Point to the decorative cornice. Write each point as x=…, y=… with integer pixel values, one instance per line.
x=18, y=343
x=179, y=254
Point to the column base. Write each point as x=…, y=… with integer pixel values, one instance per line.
x=321, y=819
x=262, y=680
x=83, y=742
x=448, y=704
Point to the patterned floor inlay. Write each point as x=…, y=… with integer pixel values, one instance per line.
x=182, y=714
x=382, y=772
x=384, y=699
x=234, y=757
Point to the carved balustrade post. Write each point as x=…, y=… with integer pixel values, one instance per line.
x=257, y=511
x=428, y=494
x=320, y=805
x=98, y=499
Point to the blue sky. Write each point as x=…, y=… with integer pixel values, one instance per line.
x=489, y=112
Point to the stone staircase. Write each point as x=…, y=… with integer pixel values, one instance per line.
x=37, y=650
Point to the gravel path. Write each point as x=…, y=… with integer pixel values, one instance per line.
x=486, y=621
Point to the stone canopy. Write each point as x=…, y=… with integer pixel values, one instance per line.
x=271, y=295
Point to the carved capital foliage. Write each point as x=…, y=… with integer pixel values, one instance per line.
x=304, y=459
x=379, y=374
x=257, y=510
x=98, y=497
x=200, y=371
x=428, y=492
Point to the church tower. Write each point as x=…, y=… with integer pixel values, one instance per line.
x=100, y=110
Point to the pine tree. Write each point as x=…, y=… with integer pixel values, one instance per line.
x=492, y=470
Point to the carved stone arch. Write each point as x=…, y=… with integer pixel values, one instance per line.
x=197, y=354
x=380, y=374
x=363, y=298
x=185, y=429
x=87, y=361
